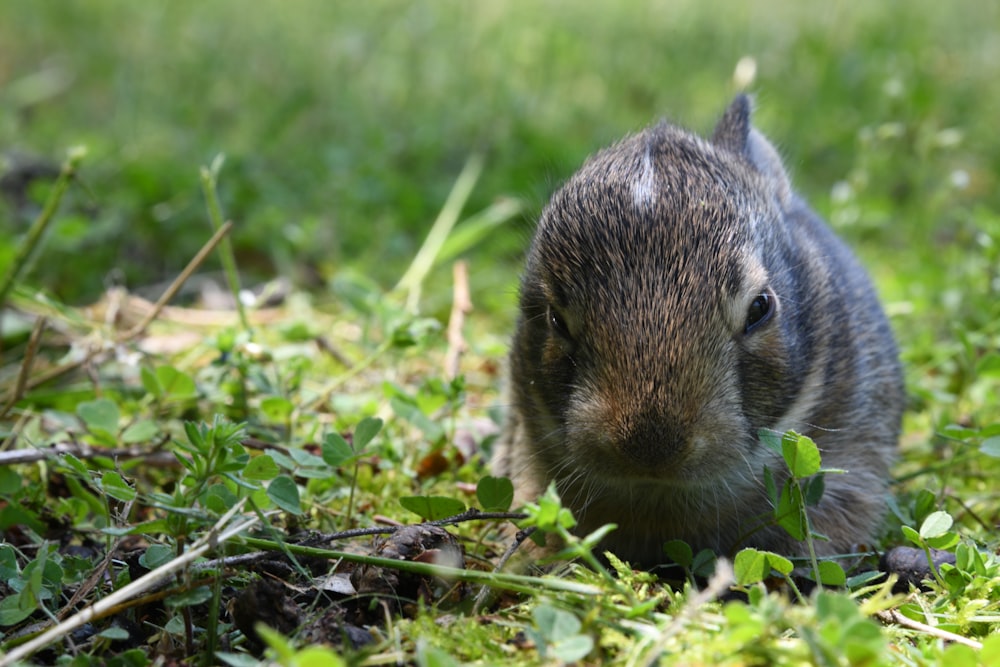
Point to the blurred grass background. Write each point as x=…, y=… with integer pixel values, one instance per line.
x=345, y=124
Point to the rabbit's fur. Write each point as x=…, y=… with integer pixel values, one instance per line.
x=678, y=299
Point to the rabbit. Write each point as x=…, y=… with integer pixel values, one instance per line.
x=678, y=300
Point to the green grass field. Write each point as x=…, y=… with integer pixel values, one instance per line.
x=345, y=127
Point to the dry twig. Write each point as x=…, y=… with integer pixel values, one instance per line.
x=139, y=328
x=26, y=363
x=84, y=451
x=461, y=306
x=895, y=617
x=146, y=582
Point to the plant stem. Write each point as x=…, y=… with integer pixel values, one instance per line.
x=73, y=158
x=933, y=567
x=810, y=542
x=209, y=177
x=350, y=499
x=511, y=582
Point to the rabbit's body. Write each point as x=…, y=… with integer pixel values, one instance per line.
x=678, y=298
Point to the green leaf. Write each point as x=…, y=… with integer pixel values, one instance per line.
x=190, y=598
x=365, y=431
x=306, y=459
x=912, y=535
x=319, y=656
x=557, y=634
x=703, y=564
x=141, y=431
x=323, y=472
x=813, y=490
x=800, y=454
x=414, y=332
x=13, y=515
x=988, y=366
x=336, y=450
x=10, y=481
x=779, y=563
x=959, y=655
x=788, y=513
x=555, y=624
x=234, y=460
x=175, y=625
x=237, y=659
x=44, y=571
x=831, y=606
x=74, y=465
x=195, y=436
x=149, y=527
x=8, y=562
x=44, y=575
x=283, y=460
x=679, y=552
x=136, y=657
x=495, y=494
x=591, y=540
x=175, y=384
x=770, y=486
x=156, y=555
x=412, y=414
x=549, y=514
x=991, y=447
x=770, y=439
x=935, y=525
x=276, y=409
x=13, y=610
x=219, y=499
x=150, y=383
x=100, y=416
x=752, y=566
x=573, y=649
x=924, y=504
x=990, y=653
x=831, y=573
x=285, y=494
x=429, y=656
x=116, y=633
x=261, y=468
x=432, y=508
x=116, y=487
x=944, y=542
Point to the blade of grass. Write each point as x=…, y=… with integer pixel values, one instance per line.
x=474, y=229
x=422, y=263
x=37, y=230
x=209, y=183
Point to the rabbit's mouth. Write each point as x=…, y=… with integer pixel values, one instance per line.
x=661, y=459
x=676, y=473
x=646, y=513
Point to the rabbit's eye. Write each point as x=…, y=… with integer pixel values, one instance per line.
x=760, y=311
x=557, y=323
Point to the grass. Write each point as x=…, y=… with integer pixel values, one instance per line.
x=345, y=129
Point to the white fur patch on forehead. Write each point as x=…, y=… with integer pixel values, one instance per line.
x=644, y=189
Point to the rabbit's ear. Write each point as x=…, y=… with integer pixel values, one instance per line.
x=734, y=127
x=736, y=134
